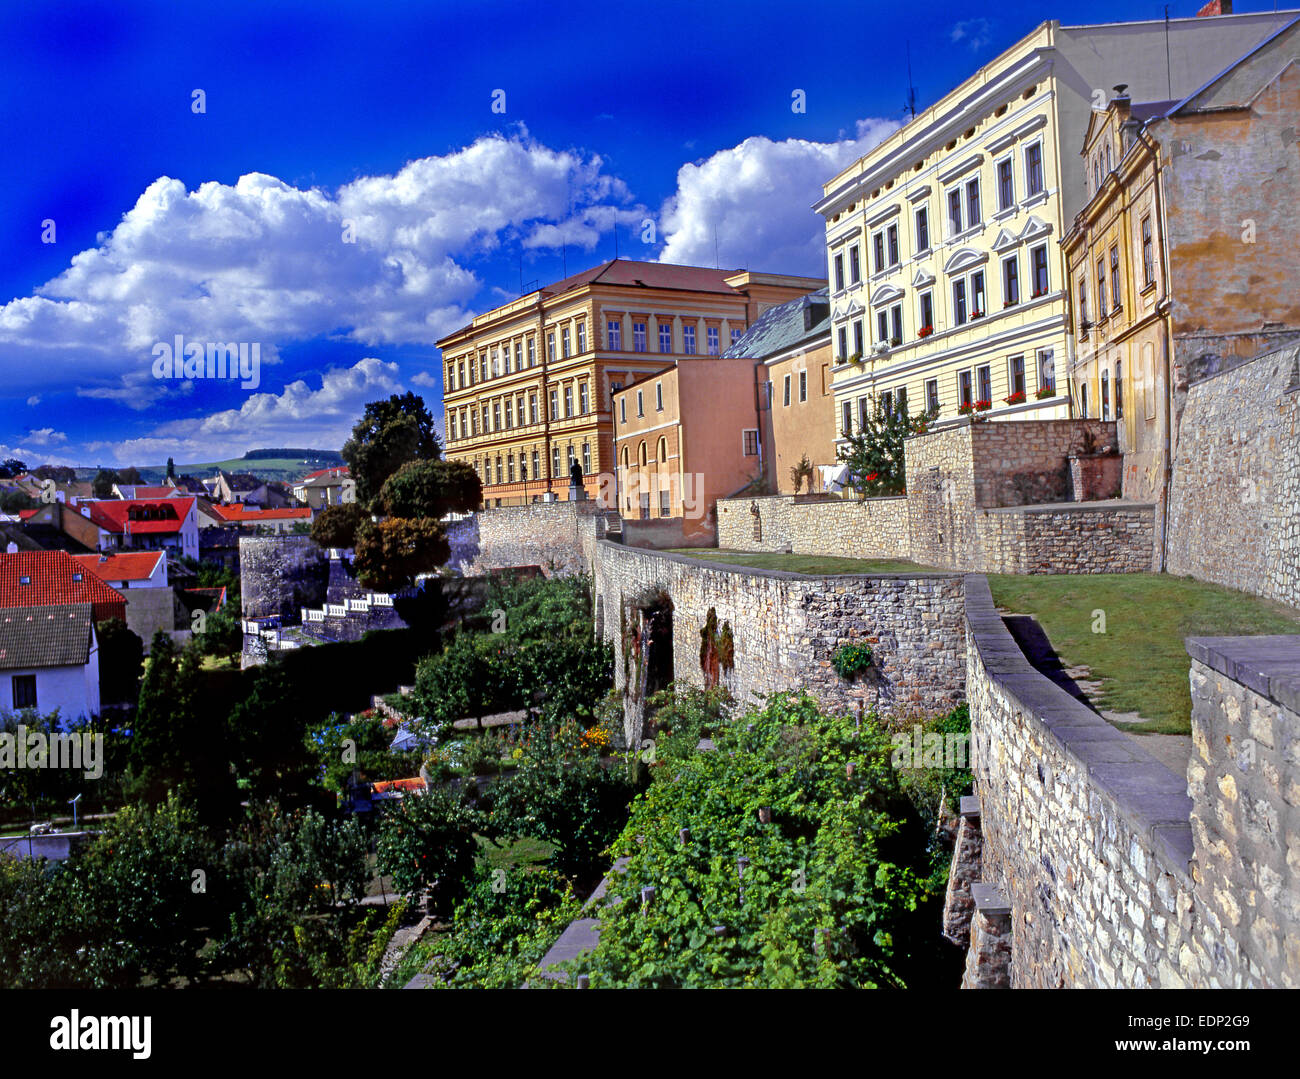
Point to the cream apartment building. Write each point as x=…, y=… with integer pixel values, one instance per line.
x=947, y=280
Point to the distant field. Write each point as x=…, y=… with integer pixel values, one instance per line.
x=267, y=468
x=813, y=565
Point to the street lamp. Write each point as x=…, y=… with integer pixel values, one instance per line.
x=73, y=803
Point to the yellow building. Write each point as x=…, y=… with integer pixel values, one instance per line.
x=527, y=386
x=947, y=280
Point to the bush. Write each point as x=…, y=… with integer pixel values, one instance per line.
x=851, y=660
x=428, y=841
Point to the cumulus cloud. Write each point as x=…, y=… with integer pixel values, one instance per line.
x=34, y=400
x=45, y=436
x=383, y=260
x=758, y=197
x=426, y=380
x=974, y=33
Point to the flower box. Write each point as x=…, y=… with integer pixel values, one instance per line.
x=1009, y=303
x=965, y=410
x=976, y=314
x=983, y=406
x=925, y=331
x=1045, y=392
x=1015, y=398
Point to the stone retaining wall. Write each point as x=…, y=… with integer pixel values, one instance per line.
x=1087, y=841
x=559, y=537
x=847, y=528
x=1072, y=538
x=1234, y=505
x=786, y=626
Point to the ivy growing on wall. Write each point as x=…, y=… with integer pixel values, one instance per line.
x=717, y=649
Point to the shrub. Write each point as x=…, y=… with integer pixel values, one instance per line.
x=851, y=660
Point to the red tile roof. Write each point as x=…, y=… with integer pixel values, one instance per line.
x=126, y=566
x=114, y=515
x=237, y=513
x=627, y=273
x=51, y=583
x=157, y=492
x=337, y=470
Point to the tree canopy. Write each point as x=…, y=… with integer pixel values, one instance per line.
x=875, y=454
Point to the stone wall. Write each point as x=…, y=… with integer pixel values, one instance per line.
x=1234, y=504
x=841, y=527
x=786, y=627
x=1244, y=779
x=279, y=575
x=1087, y=855
x=557, y=536
x=1070, y=538
x=1027, y=462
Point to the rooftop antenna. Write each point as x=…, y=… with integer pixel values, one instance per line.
x=910, y=106
x=717, y=263
x=1169, y=75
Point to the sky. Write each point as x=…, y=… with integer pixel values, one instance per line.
x=336, y=186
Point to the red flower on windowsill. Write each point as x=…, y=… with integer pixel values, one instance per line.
x=966, y=409
x=1038, y=293
x=871, y=478
x=1017, y=398
x=976, y=314
x=983, y=406
x=1010, y=303
x=925, y=331
x=1046, y=391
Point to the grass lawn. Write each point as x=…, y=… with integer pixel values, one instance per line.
x=813, y=565
x=1139, y=660
x=520, y=852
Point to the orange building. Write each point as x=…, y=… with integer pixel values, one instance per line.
x=527, y=386
x=687, y=436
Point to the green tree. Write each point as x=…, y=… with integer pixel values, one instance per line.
x=130, y=476
x=121, y=656
x=102, y=485
x=428, y=842
x=11, y=467
x=13, y=501
x=389, y=434
x=389, y=554
x=430, y=488
x=171, y=469
x=875, y=454
x=336, y=526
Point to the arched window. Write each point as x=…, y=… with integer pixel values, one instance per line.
x=663, y=451
x=641, y=452
x=625, y=457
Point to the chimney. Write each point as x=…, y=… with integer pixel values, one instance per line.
x=1215, y=7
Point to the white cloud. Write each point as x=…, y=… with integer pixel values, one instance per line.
x=425, y=380
x=759, y=196
x=34, y=400
x=265, y=261
x=974, y=32
x=45, y=436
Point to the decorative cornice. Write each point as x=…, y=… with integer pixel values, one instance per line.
x=963, y=259
x=974, y=161
x=888, y=294
x=922, y=277
x=883, y=216
x=918, y=194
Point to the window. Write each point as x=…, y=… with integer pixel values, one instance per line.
x=564, y=342
x=1148, y=263
x=688, y=340
x=964, y=395
x=519, y=355
x=622, y=410
x=712, y=337
x=582, y=337
x=927, y=310
x=1101, y=288
x=586, y=458
x=887, y=402
x=532, y=408
x=1016, y=375
x=750, y=441
x=1010, y=281
x=1119, y=389
x=839, y=271
x=1114, y=277
x=864, y=413
x=509, y=415
x=785, y=396
x=846, y=418
x=640, y=404
x=510, y=468
x=499, y=472
x=803, y=386
x=1105, y=395
x=584, y=403
x=922, y=230
x=614, y=335
x=532, y=352
x=659, y=396
x=555, y=405
x=896, y=324
x=954, y=212
x=984, y=376
x=735, y=336
x=550, y=347
x=638, y=337
x=555, y=461
x=932, y=395
x=1034, y=169
x=665, y=508
x=959, y=309
x=1046, y=369
x=665, y=336
x=1083, y=400
x=24, y=686
x=1038, y=269
x=1083, y=307
x=882, y=326
x=878, y=251
x=568, y=401
x=453, y=426
x=496, y=415
x=891, y=243
x=536, y=465
x=855, y=265
x=482, y=368
x=973, y=215
x=496, y=364
x=1006, y=185
x=978, y=307
x=844, y=342
x=859, y=345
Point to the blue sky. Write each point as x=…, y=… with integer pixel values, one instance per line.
x=374, y=122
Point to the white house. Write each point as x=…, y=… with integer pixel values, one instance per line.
x=49, y=658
